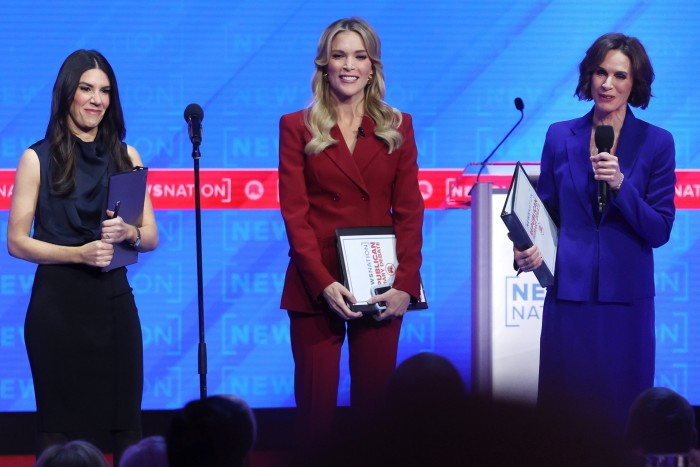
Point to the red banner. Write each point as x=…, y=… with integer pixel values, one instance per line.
x=257, y=188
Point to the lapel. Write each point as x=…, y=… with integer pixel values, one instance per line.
x=367, y=147
x=578, y=149
x=578, y=154
x=353, y=164
x=629, y=144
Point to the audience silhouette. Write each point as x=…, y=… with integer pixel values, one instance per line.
x=661, y=428
x=149, y=452
x=76, y=453
x=214, y=432
x=429, y=419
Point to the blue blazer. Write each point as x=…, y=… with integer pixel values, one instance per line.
x=609, y=259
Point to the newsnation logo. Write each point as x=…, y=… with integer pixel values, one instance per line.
x=258, y=188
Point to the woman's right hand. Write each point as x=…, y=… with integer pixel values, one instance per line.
x=336, y=294
x=97, y=253
x=529, y=259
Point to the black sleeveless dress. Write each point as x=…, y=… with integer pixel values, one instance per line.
x=82, y=329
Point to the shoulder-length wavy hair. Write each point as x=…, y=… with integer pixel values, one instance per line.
x=321, y=114
x=111, y=131
x=642, y=71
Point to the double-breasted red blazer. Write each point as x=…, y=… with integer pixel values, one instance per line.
x=332, y=189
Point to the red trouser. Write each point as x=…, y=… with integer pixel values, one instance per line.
x=316, y=343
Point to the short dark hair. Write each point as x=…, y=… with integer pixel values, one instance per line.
x=212, y=432
x=661, y=421
x=642, y=71
x=77, y=453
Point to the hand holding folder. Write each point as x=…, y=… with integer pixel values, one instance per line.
x=127, y=192
x=368, y=262
x=529, y=223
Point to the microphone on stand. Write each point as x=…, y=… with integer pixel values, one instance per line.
x=519, y=105
x=604, y=139
x=194, y=116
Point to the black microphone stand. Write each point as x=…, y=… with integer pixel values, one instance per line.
x=483, y=164
x=519, y=106
x=202, y=349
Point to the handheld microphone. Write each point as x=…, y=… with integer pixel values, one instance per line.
x=194, y=116
x=604, y=139
x=360, y=132
x=519, y=105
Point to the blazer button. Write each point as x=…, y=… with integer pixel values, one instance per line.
x=336, y=197
x=364, y=197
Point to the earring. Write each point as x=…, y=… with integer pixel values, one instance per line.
x=325, y=76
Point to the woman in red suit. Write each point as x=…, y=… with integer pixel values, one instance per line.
x=349, y=159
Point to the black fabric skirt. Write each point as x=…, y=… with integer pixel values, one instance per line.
x=83, y=339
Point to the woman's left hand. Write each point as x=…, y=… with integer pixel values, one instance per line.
x=397, y=302
x=115, y=230
x=607, y=169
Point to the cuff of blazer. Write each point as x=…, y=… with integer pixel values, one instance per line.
x=410, y=285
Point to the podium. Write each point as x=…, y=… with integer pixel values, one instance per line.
x=506, y=309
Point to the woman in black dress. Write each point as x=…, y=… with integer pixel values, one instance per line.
x=82, y=329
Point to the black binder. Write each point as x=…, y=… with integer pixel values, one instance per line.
x=363, y=281
x=529, y=223
x=128, y=188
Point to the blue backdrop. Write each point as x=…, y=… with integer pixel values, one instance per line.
x=455, y=65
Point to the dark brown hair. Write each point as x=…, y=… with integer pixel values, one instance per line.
x=642, y=71
x=111, y=131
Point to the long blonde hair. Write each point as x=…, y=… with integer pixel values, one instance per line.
x=321, y=116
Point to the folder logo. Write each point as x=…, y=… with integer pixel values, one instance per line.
x=379, y=270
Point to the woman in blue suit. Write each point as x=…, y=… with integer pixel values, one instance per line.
x=597, y=345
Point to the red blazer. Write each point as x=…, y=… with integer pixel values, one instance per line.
x=319, y=193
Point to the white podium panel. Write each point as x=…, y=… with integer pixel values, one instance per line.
x=516, y=313
x=506, y=309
